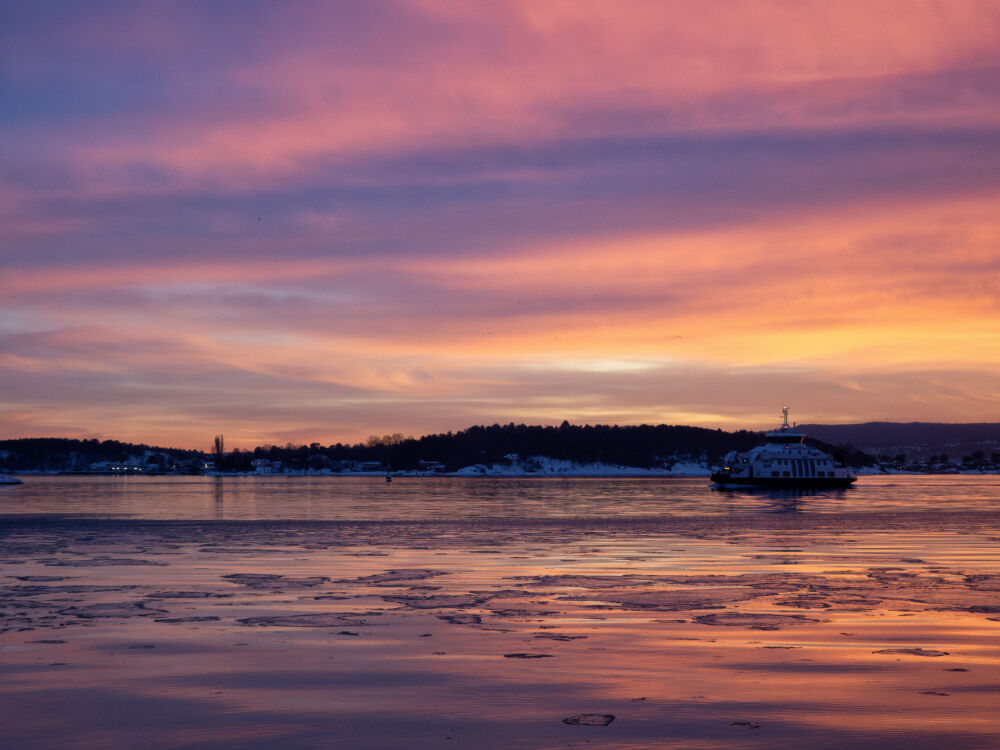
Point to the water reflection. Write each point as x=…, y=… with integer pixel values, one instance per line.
x=220, y=493
x=787, y=500
x=430, y=498
x=753, y=620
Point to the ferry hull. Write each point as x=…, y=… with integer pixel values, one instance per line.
x=783, y=483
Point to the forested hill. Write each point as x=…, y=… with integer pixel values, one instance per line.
x=67, y=454
x=643, y=446
x=912, y=438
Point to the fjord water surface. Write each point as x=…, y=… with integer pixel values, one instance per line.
x=337, y=498
x=296, y=612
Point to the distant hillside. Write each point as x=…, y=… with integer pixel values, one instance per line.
x=640, y=446
x=67, y=454
x=914, y=439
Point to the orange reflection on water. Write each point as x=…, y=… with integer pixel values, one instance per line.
x=812, y=626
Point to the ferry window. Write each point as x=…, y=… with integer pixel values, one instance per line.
x=786, y=473
x=821, y=473
x=775, y=473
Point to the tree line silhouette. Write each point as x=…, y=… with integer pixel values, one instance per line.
x=642, y=446
x=67, y=454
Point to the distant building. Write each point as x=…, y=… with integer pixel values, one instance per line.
x=266, y=466
x=118, y=467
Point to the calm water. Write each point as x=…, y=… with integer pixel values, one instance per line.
x=480, y=613
x=425, y=498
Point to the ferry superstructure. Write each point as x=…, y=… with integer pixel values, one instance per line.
x=785, y=460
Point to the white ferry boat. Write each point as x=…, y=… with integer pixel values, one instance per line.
x=783, y=461
x=4, y=479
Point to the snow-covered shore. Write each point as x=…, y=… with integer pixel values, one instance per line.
x=540, y=467
x=546, y=467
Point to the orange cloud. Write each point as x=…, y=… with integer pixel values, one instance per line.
x=339, y=220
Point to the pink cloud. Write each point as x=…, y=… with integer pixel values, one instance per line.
x=515, y=74
x=314, y=218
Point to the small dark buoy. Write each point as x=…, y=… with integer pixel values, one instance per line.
x=388, y=479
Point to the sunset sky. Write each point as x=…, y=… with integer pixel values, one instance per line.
x=315, y=221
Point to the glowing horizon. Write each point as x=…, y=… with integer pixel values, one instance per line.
x=313, y=223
